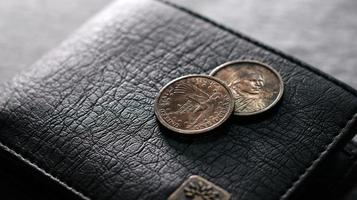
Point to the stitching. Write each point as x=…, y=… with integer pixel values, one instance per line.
x=239, y=35
x=6, y=148
x=321, y=156
x=319, y=73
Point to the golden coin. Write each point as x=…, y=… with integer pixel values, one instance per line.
x=256, y=87
x=194, y=104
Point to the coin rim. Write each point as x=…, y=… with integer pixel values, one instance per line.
x=163, y=122
x=281, y=88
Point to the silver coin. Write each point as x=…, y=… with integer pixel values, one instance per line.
x=256, y=87
x=194, y=104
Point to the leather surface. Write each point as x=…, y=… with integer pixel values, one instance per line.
x=21, y=181
x=336, y=178
x=346, y=186
x=84, y=113
x=320, y=32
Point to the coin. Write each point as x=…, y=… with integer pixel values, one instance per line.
x=256, y=87
x=194, y=104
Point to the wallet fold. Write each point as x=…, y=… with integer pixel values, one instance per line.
x=83, y=115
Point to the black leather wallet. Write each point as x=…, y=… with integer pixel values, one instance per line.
x=82, y=121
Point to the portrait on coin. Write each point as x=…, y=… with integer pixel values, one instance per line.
x=248, y=90
x=256, y=87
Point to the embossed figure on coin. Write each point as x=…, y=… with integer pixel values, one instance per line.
x=194, y=104
x=255, y=86
x=248, y=91
x=198, y=104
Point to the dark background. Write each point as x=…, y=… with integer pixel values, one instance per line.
x=320, y=32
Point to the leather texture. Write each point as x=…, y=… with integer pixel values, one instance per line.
x=83, y=115
x=345, y=186
x=336, y=178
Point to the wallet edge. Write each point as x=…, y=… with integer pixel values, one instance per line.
x=337, y=139
x=43, y=171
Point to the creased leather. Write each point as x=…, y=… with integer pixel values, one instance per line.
x=84, y=113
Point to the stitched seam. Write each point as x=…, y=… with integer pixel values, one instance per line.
x=321, y=156
x=241, y=36
x=43, y=171
x=319, y=73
